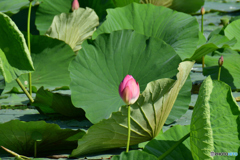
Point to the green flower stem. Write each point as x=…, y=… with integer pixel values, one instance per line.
x=24, y=90
x=219, y=73
x=173, y=147
x=202, y=32
x=29, y=46
x=129, y=128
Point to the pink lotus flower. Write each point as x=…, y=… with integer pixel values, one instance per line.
x=75, y=5
x=129, y=90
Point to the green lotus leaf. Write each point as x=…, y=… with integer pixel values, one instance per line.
x=148, y=115
x=177, y=29
x=186, y=6
x=48, y=102
x=20, y=137
x=51, y=58
x=233, y=31
x=98, y=69
x=13, y=7
x=215, y=121
x=15, y=58
x=139, y=155
x=230, y=71
x=165, y=141
x=74, y=28
x=48, y=9
x=215, y=42
x=182, y=102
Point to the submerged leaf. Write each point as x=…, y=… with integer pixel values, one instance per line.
x=148, y=115
x=74, y=28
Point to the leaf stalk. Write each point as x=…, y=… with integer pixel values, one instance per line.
x=173, y=147
x=29, y=46
x=24, y=90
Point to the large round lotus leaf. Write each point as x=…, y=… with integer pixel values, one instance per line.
x=15, y=58
x=51, y=58
x=99, y=68
x=148, y=115
x=50, y=8
x=74, y=28
x=177, y=29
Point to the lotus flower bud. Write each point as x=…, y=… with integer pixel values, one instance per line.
x=75, y=5
x=220, y=61
x=129, y=90
x=202, y=11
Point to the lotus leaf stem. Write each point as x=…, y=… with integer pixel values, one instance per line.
x=24, y=90
x=129, y=128
x=173, y=147
x=15, y=154
x=29, y=46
